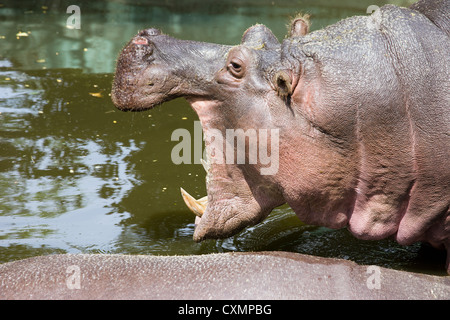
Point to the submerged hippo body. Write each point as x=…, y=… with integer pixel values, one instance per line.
x=361, y=110
x=255, y=276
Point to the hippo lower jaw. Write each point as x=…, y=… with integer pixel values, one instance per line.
x=224, y=212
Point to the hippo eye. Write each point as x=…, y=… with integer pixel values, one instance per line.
x=236, y=66
x=236, y=69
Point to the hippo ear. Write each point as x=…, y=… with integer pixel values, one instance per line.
x=283, y=84
x=299, y=26
x=259, y=37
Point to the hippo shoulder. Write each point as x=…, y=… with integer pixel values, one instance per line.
x=437, y=11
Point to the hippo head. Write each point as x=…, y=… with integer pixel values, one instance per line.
x=241, y=94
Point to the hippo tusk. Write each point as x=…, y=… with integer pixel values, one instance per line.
x=196, y=206
x=205, y=165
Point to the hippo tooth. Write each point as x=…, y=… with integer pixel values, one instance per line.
x=205, y=165
x=196, y=206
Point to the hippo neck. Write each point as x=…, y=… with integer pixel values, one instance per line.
x=366, y=72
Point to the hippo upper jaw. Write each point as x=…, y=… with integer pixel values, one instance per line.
x=154, y=68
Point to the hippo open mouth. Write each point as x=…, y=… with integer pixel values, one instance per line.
x=235, y=199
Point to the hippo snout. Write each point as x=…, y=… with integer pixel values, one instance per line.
x=142, y=44
x=143, y=35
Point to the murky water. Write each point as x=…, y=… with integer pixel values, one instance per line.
x=79, y=176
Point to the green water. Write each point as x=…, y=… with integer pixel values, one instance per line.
x=79, y=176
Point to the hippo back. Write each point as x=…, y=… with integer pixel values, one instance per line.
x=437, y=11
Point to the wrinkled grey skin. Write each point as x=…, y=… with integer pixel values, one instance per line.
x=264, y=275
x=363, y=113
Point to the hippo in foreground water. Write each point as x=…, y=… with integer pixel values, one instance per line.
x=358, y=115
x=255, y=276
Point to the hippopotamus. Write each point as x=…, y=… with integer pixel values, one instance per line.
x=357, y=113
x=222, y=276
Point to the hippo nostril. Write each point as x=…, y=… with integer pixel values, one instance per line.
x=140, y=40
x=150, y=32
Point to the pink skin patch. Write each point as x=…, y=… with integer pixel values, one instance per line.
x=140, y=40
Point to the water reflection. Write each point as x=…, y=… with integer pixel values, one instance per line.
x=77, y=175
x=59, y=179
x=106, y=26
